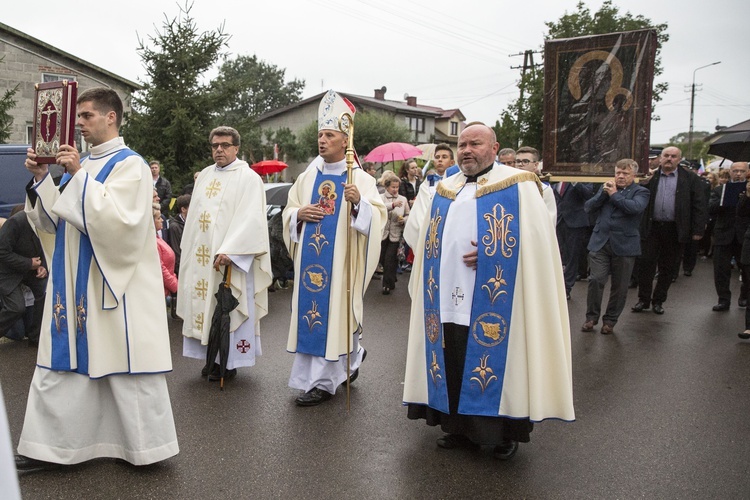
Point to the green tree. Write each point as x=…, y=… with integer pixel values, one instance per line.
x=699, y=148
x=371, y=129
x=581, y=22
x=172, y=114
x=6, y=104
x=245, y=89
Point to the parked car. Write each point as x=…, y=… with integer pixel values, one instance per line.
x=14, y=177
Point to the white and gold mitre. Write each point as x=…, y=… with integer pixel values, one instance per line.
x=330, y=109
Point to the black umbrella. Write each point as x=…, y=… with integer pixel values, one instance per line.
x=734, y=146
x=218, y=335
x=278, y=195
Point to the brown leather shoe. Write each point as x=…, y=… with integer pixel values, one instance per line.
x=607, y=329
x=588, y=326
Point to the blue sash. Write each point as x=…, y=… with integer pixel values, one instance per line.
x=492, y=303
x=437, y=390
x=316, y=262
x=60, y=336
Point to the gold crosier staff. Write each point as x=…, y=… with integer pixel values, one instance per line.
x=348, y=261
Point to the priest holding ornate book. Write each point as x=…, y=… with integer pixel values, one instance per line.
x=99, y=388
x=489, y=337
x=315, y=231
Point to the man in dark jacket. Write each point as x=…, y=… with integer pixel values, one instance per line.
x=676, y=213
x=572, y=226
x=162, y=186
x=21, y=262
x=614, y=243
x=729, y=232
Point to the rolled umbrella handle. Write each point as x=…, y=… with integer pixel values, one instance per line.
x=228, y=275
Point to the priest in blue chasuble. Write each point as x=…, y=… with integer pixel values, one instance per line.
x=489, y=336
x=315, y=230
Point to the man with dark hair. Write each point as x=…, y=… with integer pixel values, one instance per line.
x=99, y=388
x=614, y=243
x=162, y=186
x=225, y=228
x=442, y=161
x=489, y=336
x=527, y=158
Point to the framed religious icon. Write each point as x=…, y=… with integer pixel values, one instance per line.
x=54, y=118
x=597, y=107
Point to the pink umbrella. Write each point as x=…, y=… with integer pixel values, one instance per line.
x=393, y=151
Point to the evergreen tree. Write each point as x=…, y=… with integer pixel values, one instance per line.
x=172, y=114
x=6, y=104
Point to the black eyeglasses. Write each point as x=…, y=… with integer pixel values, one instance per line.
x=222, y=145
x=525, y=161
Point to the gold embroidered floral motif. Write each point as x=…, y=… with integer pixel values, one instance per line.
x=435, y=369
x=203, y=255
x=498, y=233
x=59, y=308
x=320, y=239
x=312, y=316
x=493, y=284
x=483, y=370
x=431, y=286
x=213, y=189
x=432, y=247
x=201, y=289
x=204, y=220
x=81, y=315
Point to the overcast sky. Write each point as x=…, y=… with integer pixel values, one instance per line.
x=447, y=53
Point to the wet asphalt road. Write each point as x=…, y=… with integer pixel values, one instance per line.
x=662, y=411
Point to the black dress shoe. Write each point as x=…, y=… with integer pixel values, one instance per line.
x=658, y=309
x=313, y=397
x=25, y=465
x=214, y=369
x=452, y=441
x=742, y=302
x=640, y=306
x=688, y=273
x=744, y=335
x=386, y=290
x=721, y=306
x=355, y=374
x=506, y=450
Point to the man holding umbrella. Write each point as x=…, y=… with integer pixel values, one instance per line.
x=226, y=226
x=318, y=242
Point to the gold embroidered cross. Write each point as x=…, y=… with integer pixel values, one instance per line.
x=199, y=322
x=204, y=221
x=213, y=189
x=202, y=288
x=203, y=255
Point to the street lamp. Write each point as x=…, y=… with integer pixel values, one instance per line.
x=692, y=108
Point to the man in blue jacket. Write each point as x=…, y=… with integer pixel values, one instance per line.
x=614, y=244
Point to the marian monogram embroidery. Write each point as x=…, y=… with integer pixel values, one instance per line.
x=498, y=233
x=432, y=246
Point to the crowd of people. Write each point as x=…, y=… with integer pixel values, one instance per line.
x=480, y=232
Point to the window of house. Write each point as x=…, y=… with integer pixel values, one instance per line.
x=415, y=124
x=454, y=128
x=53, y=77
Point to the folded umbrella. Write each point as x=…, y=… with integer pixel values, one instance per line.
x=218, y=335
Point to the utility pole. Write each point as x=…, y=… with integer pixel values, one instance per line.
x=528, y=65
x=692, y=110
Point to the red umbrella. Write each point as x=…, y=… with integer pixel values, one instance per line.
x=393, y=151
x=266, y=167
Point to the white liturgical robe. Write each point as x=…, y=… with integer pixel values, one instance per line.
x=227, y=215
